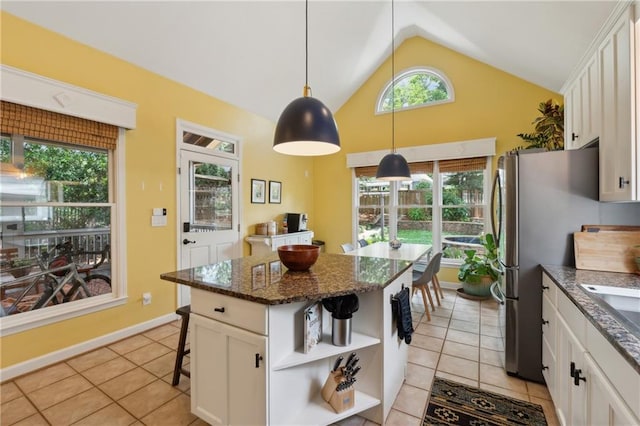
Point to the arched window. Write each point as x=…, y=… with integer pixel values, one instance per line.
x=416, y=87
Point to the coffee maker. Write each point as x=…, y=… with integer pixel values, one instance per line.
x=296, y=222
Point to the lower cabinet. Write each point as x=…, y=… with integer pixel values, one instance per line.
x=603, y=405
x=264, y=376
x=575, y=357
x=231, y=382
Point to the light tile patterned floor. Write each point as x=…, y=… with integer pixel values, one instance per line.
x=129, y=382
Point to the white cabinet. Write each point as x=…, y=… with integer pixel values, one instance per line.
x=229, y=380
x=263, y=244
x=582, y=107
x=603, y=405
x=618, y=139
x=248, y=366
x=579, y=367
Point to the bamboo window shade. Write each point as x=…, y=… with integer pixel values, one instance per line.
x=40, y=124
x=445, y=166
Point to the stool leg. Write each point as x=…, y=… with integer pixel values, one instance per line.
x=181, y=352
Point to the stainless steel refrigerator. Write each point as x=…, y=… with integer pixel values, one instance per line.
x=539, y=200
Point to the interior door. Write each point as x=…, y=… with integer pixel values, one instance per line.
x=209, y=216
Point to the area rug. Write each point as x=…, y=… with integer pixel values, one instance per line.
x=452, y=403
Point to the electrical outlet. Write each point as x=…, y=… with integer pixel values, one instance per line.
x=146, y=298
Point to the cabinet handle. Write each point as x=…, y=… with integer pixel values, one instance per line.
x=258, y=359
x=544, y=322
x=572, y=369
x=545, y=287
x=221, y=310
x=577, y=378
x=573, y=136
x=622, y=182
x=544, y=367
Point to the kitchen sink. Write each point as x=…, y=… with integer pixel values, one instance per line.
x=623, y=303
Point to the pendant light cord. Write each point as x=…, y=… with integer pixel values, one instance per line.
x=393, y=82
x=307, y=89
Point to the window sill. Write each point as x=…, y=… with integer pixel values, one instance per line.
x=26, y=321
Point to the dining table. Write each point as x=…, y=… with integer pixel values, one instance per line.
x=407, y=251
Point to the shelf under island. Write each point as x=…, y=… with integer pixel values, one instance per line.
x=248, y=364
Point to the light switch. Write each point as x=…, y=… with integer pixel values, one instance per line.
x=159, y=211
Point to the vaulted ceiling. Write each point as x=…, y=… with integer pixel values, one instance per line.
x=252, y=53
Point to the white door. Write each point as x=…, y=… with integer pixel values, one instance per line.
x=209, y=219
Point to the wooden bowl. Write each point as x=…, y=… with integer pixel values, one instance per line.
x=298, y=257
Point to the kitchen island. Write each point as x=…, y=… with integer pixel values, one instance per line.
x=248, y=363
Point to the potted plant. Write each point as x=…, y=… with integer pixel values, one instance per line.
x=20, y=267
x=479, y=270
x=549, y=128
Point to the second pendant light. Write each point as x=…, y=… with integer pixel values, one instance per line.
x=393, y=166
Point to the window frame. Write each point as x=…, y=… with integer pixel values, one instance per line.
x=35, y=90
x=408, y=72
x=436, y=152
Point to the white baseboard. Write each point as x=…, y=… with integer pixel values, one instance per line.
x=450, y=285
x=71, y=351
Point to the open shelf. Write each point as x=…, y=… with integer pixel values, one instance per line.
x=324, y=349
x=321, y=413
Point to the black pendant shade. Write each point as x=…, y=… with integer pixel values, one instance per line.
x=393, y=166
x=306, y=127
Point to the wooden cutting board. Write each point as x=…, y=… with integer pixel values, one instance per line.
x=606, y=251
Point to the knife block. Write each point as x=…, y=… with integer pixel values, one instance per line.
x=342, y=400
x=339, y=401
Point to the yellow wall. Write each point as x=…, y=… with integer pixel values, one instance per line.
x=488, y=103
x=150, y=158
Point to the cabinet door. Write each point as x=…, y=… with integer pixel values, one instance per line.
x=549, y=344
x=305, y=238
x=571, y=398
x=590, y=102
x=604, y=405
x=617, y=141
x=228, y=373
x=573, y=116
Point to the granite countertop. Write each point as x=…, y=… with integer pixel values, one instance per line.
x=569, y=280
x=264, y=279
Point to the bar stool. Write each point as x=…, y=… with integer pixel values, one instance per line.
x=184, y=312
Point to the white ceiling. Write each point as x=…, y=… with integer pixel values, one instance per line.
x=251, y=53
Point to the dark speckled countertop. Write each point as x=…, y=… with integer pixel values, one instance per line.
x=569, y=280
x=264, y=279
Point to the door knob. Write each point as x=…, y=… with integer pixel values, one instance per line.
x=185, y=242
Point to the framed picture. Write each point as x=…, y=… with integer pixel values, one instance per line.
x=275, y=192
x=312, y=326
x=258, y=187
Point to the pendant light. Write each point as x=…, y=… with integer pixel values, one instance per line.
x=306, y=126
x=393, y=166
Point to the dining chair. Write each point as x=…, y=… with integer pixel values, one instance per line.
x=421, y=281
x=346, y=247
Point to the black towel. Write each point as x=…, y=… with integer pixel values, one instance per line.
x=402, y=313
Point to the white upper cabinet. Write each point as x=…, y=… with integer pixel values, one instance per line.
x=582, y=107
x=618, y=139
x=601, y=102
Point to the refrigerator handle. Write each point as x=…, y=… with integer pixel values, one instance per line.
x=497, y=186
x=496, y=293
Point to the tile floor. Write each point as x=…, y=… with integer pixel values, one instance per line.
x=129, y=382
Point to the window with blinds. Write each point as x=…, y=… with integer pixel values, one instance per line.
x=443, y=204
x=55, y=202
